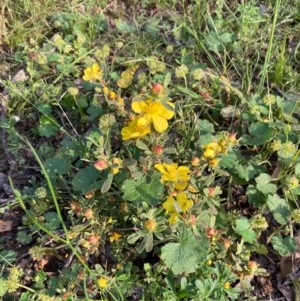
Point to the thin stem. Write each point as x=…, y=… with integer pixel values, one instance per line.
x=270, y=47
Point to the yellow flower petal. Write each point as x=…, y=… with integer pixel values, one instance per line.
x=181, y=185
x=168, y=205
x=160, y=168
x=183, y=201
x=139, y=106
x=133, y=130
x=173, y=217
x=160, y=124
x=164, y=112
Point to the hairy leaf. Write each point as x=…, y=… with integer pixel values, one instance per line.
x=185, y=255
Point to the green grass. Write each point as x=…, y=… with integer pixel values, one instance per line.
x=172, y=171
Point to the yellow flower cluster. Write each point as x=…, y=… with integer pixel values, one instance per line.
x=115, y=165
x=127, y=76
x=112, y=95
x=178, y=176
x=175, y=206
x=151, y=112
x=115, y=236
x=214, y=149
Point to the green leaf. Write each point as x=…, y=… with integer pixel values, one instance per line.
x=185, y=255
x=44, y=108
x=107, y=183
x=47, y=126
x=123, y=26
x=146, y=244
x=284, y=246
x=52, y=221
x=260, y=132
x=205, y=127
x=94, y=112
x=264, y=185
x=25, y=296
x=247, y=172
x=143, y=190
x=86, y=179
x=23, y=238
x=188, y=92
x=141, y=145
x=279, y=208
x=57, y=166
x=3, y=288
x=243, y=228
x=8, y=256
x=297, y=169
x=255, y=197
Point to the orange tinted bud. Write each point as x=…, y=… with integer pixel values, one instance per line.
x=192, y=219
x=157, y=150
x=89, y=213
x=211, y=191
x=252, y=266
x=211, y=232
x=75, y=207
x=101, y=164
x=93, y=239
x=173, y=193
x=157, y=88
x=195, y=161
x=232, y=138
x=226, y=243
x=150, y=224
x=89, y=194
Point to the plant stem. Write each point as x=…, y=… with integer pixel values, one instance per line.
x=270, y=47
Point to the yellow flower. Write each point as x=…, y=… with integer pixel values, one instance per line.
x=92, y=73
x=209, y=153
x=179, y=175
x=174, y=207
x=103, y=282
x=114, y=237
x=117, y=163
x=154, y=112
x=135, y=130
x=105, y=90
x=214, y=146
x=112, y=95
x=213, y=162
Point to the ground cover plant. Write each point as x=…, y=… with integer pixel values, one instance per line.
x=150, y=150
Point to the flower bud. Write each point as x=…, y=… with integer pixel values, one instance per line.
x=211, y=232
x=101, y=164
x=150, y=224
x=157, y=88
x=88, y=213
x=195, y=161
x=157, y=150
